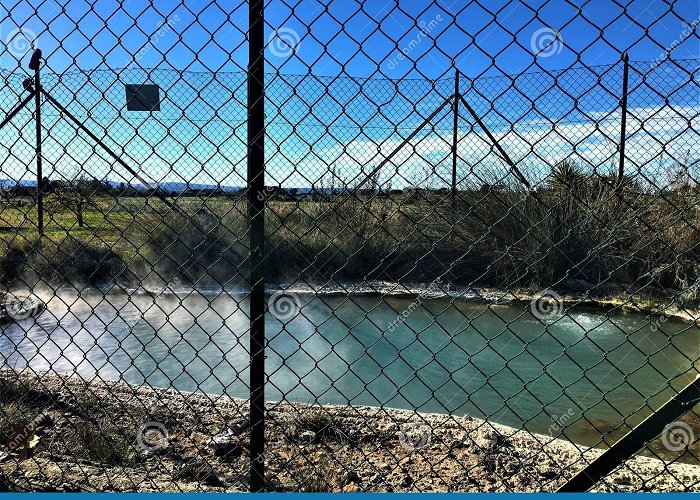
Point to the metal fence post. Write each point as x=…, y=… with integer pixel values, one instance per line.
x=454, y=137
x=35, y=64
x=513, y=167
x=402, y=283
x=623, y=125
x=256, y=219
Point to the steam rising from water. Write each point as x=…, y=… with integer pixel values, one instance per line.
x=444, y=357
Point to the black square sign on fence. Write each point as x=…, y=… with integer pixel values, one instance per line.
x=142, y=97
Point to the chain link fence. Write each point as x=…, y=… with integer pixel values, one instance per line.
x=349, y=248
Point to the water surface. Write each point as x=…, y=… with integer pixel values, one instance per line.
x=492, y=361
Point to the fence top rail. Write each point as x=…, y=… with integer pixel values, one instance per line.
x=512, y=76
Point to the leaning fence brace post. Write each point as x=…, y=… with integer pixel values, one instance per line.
x=454, y=137
x=514, y=168
x=256, y=221
x=19, y=107
x=623, y=125
x=35, y=64
x=634, y=440
x=398, y=148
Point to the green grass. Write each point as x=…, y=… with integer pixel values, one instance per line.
x=104, y=444
x=14, y=390
x=496, y=237
x=89, y=405
x=320, y=423
x=18, y=404
x=101, y=442
x=11, y=415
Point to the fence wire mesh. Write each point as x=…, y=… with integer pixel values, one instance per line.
x=480, y=252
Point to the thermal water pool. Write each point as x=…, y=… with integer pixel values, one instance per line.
x=491, y=361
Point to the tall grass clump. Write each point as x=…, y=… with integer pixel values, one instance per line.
x=581, y=223
x=68, y=259
x=201, y=249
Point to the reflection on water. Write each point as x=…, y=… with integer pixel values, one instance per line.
x=493, y=361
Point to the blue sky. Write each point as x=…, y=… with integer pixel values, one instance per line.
x=340, y=37
x=404, y=39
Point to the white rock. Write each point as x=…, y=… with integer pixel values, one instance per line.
x=221, y=442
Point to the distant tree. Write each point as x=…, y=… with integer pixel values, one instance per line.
x=74, y=196
x=105, y=187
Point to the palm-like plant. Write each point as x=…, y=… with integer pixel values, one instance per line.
x=567, y=176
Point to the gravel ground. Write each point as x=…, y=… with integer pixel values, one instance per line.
x=162, y=440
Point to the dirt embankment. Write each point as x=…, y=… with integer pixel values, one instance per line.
x=94, y=436
x=574, y=293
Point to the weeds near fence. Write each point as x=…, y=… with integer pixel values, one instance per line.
x=582, y=227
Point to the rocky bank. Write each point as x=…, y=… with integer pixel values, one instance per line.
x=72, y=434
